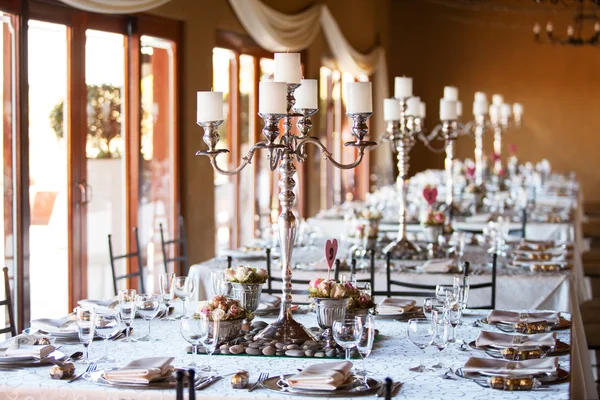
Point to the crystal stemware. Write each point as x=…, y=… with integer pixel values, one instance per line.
x=442, y=291
x=421, y=332
x=85, y=328
x=166, y=282
x=365, y=345
x=148, y=306
x=106, y=325
x=463, y=283
x=453, y=312
x=347, y=333
x=219, y=283
x=184, y=289
x=127, y=309
x=440, y=340
x=192, y=333
x=209, y=331
x=429, y=305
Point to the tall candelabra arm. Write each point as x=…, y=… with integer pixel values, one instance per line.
x=427, y=140
x=329, y=157
x=469, y=128
x=434, y=133
x=247, y=159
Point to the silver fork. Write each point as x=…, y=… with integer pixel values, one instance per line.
x=261, y=378
x=91, y=368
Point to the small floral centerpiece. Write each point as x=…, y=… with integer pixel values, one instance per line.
x=432, y=217
x=246, y=274
x=232, y=315
x=370, y=214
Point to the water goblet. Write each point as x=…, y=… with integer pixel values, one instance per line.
x=148, y=306
x=347, y=333
x=421, y=333
x=463, y=283
x=453, y=313
x=127, y=309
x=442, y=292
x=365, y=345
x=106, y=325
x=440, y=340
x=219, y=283
x=166, y=282
x=429, y=305
x=209, y=331
x=191, y=332
x=85, y=328
x=184, y=289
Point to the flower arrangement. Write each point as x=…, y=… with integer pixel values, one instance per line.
x=433, y=218
x=231, y=308
x=246, y=274
x=366, y=230
x=330, y=289
x=370, y=214
x=475, y=189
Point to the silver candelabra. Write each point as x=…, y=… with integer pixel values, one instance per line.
x=282, y=153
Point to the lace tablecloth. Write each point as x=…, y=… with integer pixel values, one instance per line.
x=393, y=355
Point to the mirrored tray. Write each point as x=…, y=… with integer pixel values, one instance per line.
x=347, y=390
x=97, y=377
x=560, y=349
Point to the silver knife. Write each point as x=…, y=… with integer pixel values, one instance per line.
x=207, y=382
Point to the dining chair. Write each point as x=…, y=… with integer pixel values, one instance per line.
x=179, y=244
x=491, y=284
x=370, y=279
x=12, y=327
x=137, y=255
x=270, y=279
x=522, y=232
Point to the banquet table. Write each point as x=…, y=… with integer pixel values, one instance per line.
x=392, y=356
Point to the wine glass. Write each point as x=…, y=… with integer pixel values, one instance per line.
x=464, y=284
x=347, y=333
x=185, y=287
x=106, y=325
x=85, y=328
x=453, y=313
x=421, y=332
x=219, y=283
x=127, y=308
x=209, y=331
x=442, y=291
x=147, y=305
x=365, y=345
x=166, y=282
x=191, y=331
x=429, y=305
x=440, y=340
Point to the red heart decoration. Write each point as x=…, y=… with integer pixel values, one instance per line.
x=430, y=195
x=471, y=171
x=331, y=248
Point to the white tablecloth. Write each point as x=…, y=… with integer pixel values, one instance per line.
x=393, y=355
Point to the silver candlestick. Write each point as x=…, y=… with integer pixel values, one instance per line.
x=480, y=125
x=450, y=131
x=282, y=154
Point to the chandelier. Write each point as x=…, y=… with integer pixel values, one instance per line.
x=575, y=32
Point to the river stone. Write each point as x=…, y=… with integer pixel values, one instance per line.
x=309, y=353
x=269, y=351
x=224, y=349
x=259, y=324
x=254, y=345
x=280, y=346
x=248, y=336
x=280, y=353
x=292, y=347
x=237, y=349
x=319, y=354
x=329, y=353
x=297, y=341
x=294, y=353
x=311, y=343
x=253, y=352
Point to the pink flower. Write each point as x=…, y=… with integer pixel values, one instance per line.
x=495, y=157
x=315, y=283
x=438, y=218
x=233, y=310
x=470, y=171
x=261, y=272
x=229, y=274
x=205, y=311
x=363, y=298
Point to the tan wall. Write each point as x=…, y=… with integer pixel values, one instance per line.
x=363, y=22
x=559, y=86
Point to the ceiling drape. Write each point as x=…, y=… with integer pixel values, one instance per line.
x=115, y=6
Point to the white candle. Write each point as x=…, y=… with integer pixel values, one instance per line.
x=403, y=87
x=480, y=96
x=450, y=93
x=447, y=110
x=518, y=109
x=306, y=95
x=272, y=98
x=480, y=107
x=497, y=99
x=412, y=106
x=288, y=68
x=494, y=113
x=391, y=110
x=209, y=106
x=422, y=109
x=505, y=110
x=459, y=108
x=359, y=99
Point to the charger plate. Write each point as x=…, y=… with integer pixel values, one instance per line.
x=561, y=348
x=346, y=390
x=561, y=376
x=97, y=377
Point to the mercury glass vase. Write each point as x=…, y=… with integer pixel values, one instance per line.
x=248, y=294
x=329, y=310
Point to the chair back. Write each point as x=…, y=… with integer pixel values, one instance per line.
x=491, y=284
x=270, y=279
x=370, y=279
x=179, y=246
x=12, y=327
x=134, y=255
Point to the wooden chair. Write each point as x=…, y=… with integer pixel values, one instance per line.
x=298, y=282
x=180, y=242
x=136, y=255
x=12, y=327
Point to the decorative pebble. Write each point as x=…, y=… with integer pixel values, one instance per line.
x=224, y=349
x=254, y=345
x=309, y=353
x=297, y=341
x=294, y=353
x=311, y=343
x=280, y=353
x=269, y=351
x=248, y=336
x=259, y=324
x=292, y=347
x=237, y=349
x=319, y=354
x=253, y=352
x=280, y=345
x=328, y=353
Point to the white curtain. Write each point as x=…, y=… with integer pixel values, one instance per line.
x=115, y=6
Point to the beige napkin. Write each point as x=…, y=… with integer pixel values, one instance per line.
x=270, y=300
x=324, y=376
x=437, y=266
x=395, y=306
x=66, y=324
x=496, y=366
x=513, y=317
x=29, y=351
x=21, y=339
x=486, y=338
x=144, y=370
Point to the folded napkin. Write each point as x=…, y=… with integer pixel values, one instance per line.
x=486, y=338
x=65, y=324
x=512, y=317
x=144, y=370
x=111, y=303
x=395, y=306
x=18, y=340
x=270, y=300
x=28, y=351
x=437, y=266
x=324, y=376
x=501, y=367
x=479, y=218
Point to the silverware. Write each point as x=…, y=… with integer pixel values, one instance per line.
x=207, y=382
x=261, y=378
x=91, y=368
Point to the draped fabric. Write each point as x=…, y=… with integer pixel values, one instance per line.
x=115, y=6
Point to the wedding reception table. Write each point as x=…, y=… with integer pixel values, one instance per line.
x=392, y=356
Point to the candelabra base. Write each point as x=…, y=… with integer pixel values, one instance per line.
x=402, y=248
x=285, y=329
